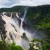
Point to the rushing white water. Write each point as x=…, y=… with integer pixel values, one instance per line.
x=17, y=35
x=11, y=3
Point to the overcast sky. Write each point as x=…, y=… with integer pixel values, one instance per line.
x=10, y=3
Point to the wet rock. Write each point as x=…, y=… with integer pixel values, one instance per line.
x=2, y=28
x=8, y=14
x=24, y=36
x=13, y=15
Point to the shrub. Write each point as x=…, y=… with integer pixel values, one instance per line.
x=5, y=46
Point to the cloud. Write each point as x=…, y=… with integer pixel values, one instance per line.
x=10, y=3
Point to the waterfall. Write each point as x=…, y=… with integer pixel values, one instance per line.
x=16, y=33
x=22, y=19
x=25, y=12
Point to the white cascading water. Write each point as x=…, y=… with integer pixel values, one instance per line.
x=16, y=35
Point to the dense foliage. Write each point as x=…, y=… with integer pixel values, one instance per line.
x=13, y=46
x=39, y=18
x=13, y=9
